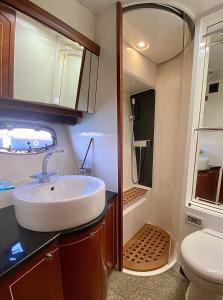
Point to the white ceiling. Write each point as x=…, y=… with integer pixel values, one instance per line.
x=162, y=32
x=193, y=7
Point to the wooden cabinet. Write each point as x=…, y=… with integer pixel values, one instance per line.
x=207, y=183
x=110, y=236
x=87, y=258
x=39, y=279
x=59, y=107
x=82, y=270
x=74, y=268
x=103, y=258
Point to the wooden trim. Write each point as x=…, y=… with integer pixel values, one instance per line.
x=11, y=55
x=41, y=15
x=120, y=134
x=80, y=79
x=90, y=236
x=37, y=116
x=7, y=50
x=20, y=105
x=76, y=242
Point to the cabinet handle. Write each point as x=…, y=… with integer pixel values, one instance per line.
x=49, y=256
x=92, y=235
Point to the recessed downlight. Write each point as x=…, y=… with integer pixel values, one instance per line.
x=141, y=45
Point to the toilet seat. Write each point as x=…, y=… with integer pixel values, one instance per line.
x=202, y=251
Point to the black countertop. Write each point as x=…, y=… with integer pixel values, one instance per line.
x=18, y=244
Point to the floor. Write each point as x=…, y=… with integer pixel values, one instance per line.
x=170, y=285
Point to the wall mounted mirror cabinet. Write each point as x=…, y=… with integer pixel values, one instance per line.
x=208, y=180
x=41, y=64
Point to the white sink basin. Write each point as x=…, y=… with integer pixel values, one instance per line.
x=65, y=202
x=203, y=163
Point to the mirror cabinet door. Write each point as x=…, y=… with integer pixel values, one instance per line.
x=49, y=68
x=213, y=81
x=93, y=83
x=86, y=99
x=208, y=185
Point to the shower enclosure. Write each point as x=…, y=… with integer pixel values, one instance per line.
x=157, y=64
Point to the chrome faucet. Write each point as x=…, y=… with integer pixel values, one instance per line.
x=44, y=176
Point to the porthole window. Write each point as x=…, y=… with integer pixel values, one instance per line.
x=24, y=138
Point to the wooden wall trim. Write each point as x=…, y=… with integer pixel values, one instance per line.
x=41, y=15
x=20, y=105
x=120, y=133
x=37, y=116
x=7, y=20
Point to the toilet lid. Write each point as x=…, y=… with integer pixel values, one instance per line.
x=202, y=251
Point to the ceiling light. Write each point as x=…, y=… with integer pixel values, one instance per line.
x=128, y=48
x=141, y=45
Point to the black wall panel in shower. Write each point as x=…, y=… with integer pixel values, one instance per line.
x=143, y=127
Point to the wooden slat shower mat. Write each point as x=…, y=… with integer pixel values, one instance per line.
x=132, y=194
x=147, y=250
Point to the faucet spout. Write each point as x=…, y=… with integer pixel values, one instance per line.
x=46, y=160
x=44, y=176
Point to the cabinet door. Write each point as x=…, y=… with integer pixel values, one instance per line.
x=213, y=175
x=202, y=184
x=80, y=262
x=110, y=235
x=207, y=184
x=40, y=279
x=103, y=258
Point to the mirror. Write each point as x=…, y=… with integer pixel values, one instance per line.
x=209, y=182
x=208, y=186
x=51, y=69
x=46, y=64
x=213, y=84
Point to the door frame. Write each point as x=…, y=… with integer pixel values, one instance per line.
x=119, y=26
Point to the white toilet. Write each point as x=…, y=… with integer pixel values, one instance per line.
x=202, y=262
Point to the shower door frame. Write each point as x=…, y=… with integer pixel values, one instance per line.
x=119, y=42
x=119, y=55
